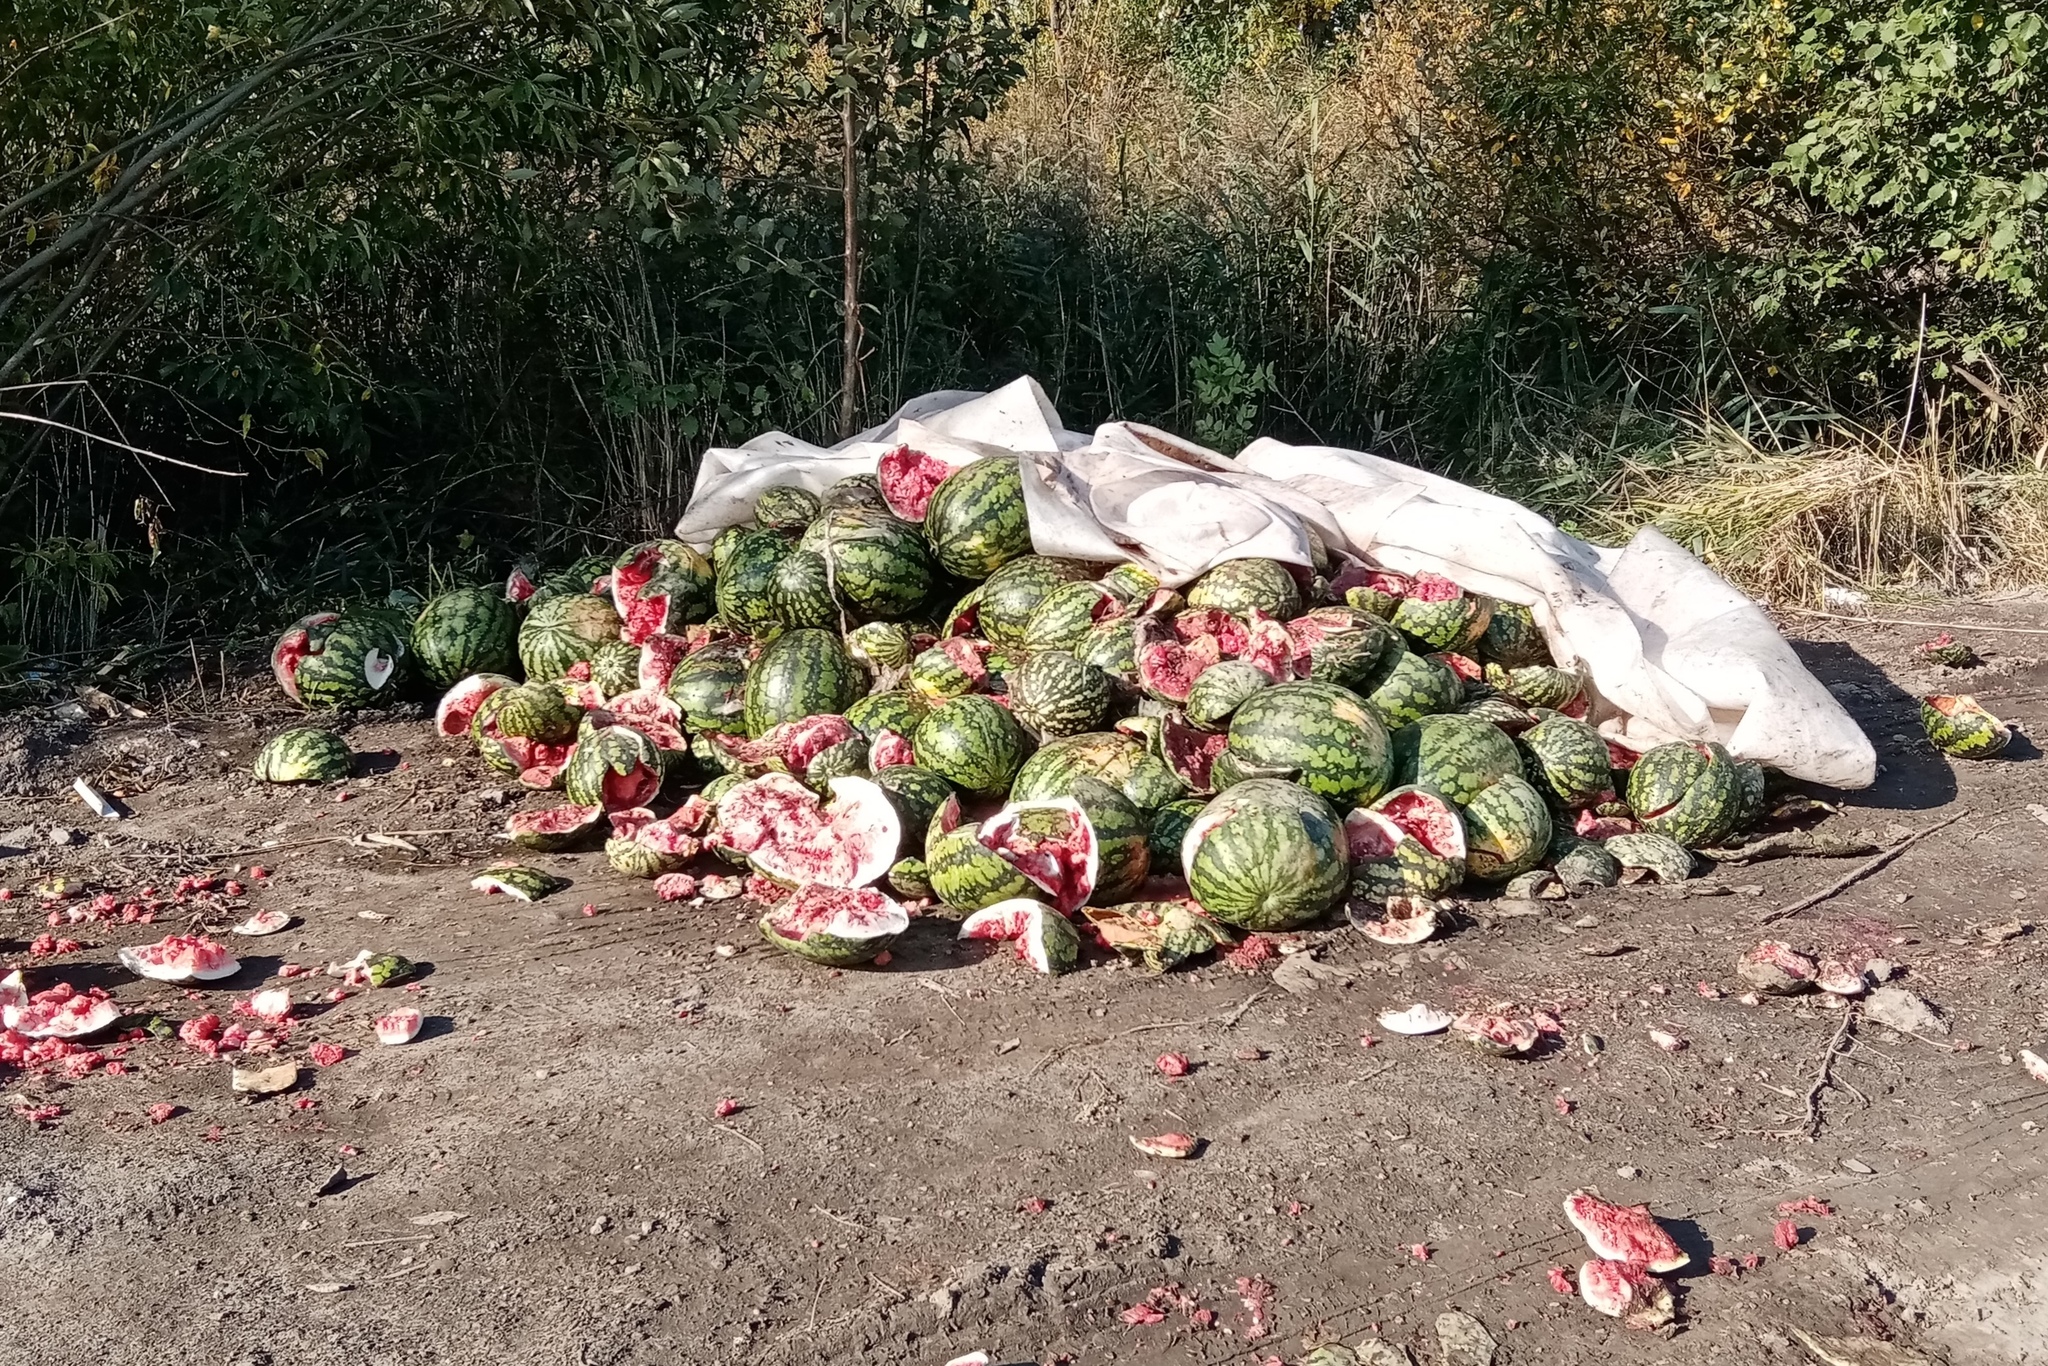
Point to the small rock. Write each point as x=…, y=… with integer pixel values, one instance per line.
x=61, y=835
x=1463, y=1340
x=1860, y=1168
x=264, y=1081
x=1628, y=1173
x=1592, y=1044
x=1898, y=1009
x=1379, y=1352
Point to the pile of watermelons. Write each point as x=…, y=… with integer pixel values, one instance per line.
x=879, y=694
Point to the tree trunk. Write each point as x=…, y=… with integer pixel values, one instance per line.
x=849, y=364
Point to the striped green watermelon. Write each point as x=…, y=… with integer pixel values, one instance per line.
x=1120, y=761
x=916, y=793
x=954, y=667
x=880, y=565
x=1568, y=762
x=1132, y=584
x=1689, y=793
x=1407, y=687
x=615, y=667
x=1323, y=733
x=785, y=507
x=881, y=646
x=1238, y=586
x=1066, y=614
x=352, y=660
x=975, y=521
x=1507, y=830
x=1054, y=694
x=999, y=607
x=535, y=711
x=721, y=549
x=1754, y=785
x=963, y=872
x=710, y=687
x=1111, y=646
x=835, y=926
x=973, y=743
x=1410, y=843
x=1536, y=685
x=1439, y=615
x=1221, y=689
x=1512, y=638
x=898, y=709
x=589, y=575
x=856, y=491
x=747, y=578
x=562, y=632
x=303, y=754
x=1960, y=727
x=1169, y=827
x=800, y=594
x=804, y=672
x=1581, y=863
x=465, y=631
x=1455, y=756
x=1123, y=854
x=1266, y=855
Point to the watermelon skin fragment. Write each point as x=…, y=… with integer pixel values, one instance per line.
x=1961, y=728
x=1266, y=855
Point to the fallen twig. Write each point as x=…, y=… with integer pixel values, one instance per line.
x=1858, y=873
x=1790, y=844
x=1228, y=1020
x=1824, y=1077
x=1899, y=621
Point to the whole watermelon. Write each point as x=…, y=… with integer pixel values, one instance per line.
x=973, y=743
x=562, y=632
x=1237, y=586
x=361, y=660
x=916, y=793
x=804, y=672
x=710, y=686
x=975, y=521
x=303, y=754
x=800, y=594
x=1000, y=606
x=1064, y=616
x=465, y=631
x=1056, y=694
x=1266, y=855
x=880, y=566
x=1568, y=762
x=785, y=507
x=746, y=578
x=1324, y=734
x=1111, y=645
x=1455, y=756
x=1121, y=761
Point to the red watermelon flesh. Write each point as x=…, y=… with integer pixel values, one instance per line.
x=1429, y=820
x=1169, y=669
x=694, y=814
x=58, y=1012
x=1594, y=827
x=1434, y=588
x=1371, y=836
x=181, y=958
x=1268, y=646
x=1623, y=1233
x=293, y=646
x=792, y=837
x=1358, y=574
x=671, y=835
x=970, y=654
x=891, y=749
x=908, y=479
x=518, y=587
x=675, y=887
x=583, y=693
x=1198, y=622
x=540, y=766
x=846, y=913
x=1464, y=666
x=659, y=655
x=1190, y=751
x=1059, y=858
x=458, y=705
x=1004, y=920
x=555, y=820
x=642, y=615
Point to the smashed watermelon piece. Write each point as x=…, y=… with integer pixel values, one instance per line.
x=1268, y=647
x=1623, y=1233
x=1168, y=669
x=458, y=706
x=61, y=1011
x=293, y=646
x=181, y=958
x=791, y=836
x=891, y=749
x=675, y=887
x=1059, y=857
x=659, y=655
x=1190, y=751
x=908, y=478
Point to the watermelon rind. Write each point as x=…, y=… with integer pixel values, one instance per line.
x=555, y=830
x=849, y=927
x=562, y=632
x=1665, y=858
x=1221, y=688
x=785, y=507
x=1121, y=761
x=361, y=660
x=1692, y=793
x=879, y=564
x=1266, y=855
x=1507, y=830
x=746, y=578
x=1568, y=762
x=614, y=767
x=1066, y=615
x=1960, y=727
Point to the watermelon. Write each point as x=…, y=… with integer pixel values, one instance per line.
x=458, y=705
x=800, y=593
x=1378, y=591
x=999, y=607
x=1691, y=793
x=836, y=926
x=1536, y=685
x=793, y=838
x=963, y=872
x=57, y=1012
x=972, y=742
x=1439, y=615
x=1457, y=757
x=1111, y=646
x=1496, y=710
x=1132, y=584
x=1341, y=645
x=954, y=667
x=1266, y=855
x=1054, y=694
x=1581, y=863
x=880, y=566
x=907, y=479
x=534, y=711
x=181, y=958
x=640, y=845
x=1324, y=734
x=855, y=491
x=1407, y=687
x=1221, y=688
x=615, y=668
x=1409, y=843
x=785, y=507
x=353, y=660
x=975, y=521
x=563, y=631
x=303, y=637
x=1507, y=830
x=1119, y=761
x=804, y=672
x=721, y=549
x=588, y=576
x=898, y=710
x=1123, y=852
x=710, y=687
x=910, y=878
x=847, y=759
x=1567, y=762
x=465, y=631
x=1238, y=586
x=747, y=577
x=614, y=767
x=880, y=646
x=1169, y=827
x=658, y=588
x=1511, y=638
x=916, y=793
x=1067, y=613
x=554, y=830
x=303, y=754
x=1051, y=843
x=1662, y=856
x=1753, y=785
x=1961, y=728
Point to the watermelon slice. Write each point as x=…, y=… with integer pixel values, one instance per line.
x=1623, y=1233
x=1190, y=751
x=790, y=836
x=1416, y=1019
x=1408, y=920
x=1003, y=922
x=553, y=830
x=792, y=745
x=1626, y=1291
x=837, y=926
x=59, y=1012
x=458, y=705
x=181, y=958
x=399, y=1027
x=262, y=923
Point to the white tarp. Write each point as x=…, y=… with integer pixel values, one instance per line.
x=1673, y=651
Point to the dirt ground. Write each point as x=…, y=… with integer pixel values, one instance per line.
x=934, y=1158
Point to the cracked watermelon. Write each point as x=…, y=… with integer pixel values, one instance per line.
x=746, y=578
x=458, y=706
x=791, y=837
x=954, y=667
x=615, y=767
x=1122, y=840
x=1266, y=855
x=1407, y=687
x=658, y=588
x=1512, y=637
x=1223, y=687
x=835, y=926
x=587, y=576
x=879, y=563
x=1536, y=685
x=1054, y=694
x=1324, y=734
x=1051, y=844
x=645, y=847
x=1439, y=615
x=963, y=872
x=554, y=830
x=1687, y=792
x=465, y=631
x=1067, y=613
x=880, y=646
x=1568, y=762
x=303, y=754
x=975, y=521
x=1507, y=830
x=897, y=709
x=785, y=507
x=562, y=632
x=1111, y=646
x=1961, y=728
x=1409, y=843
x=804, y=672
x=972, y=742
x=1239, y=586
x=534, y=711
x=1341, y=645
x=1119, y=761
x=1455, y=756
x=352, y=660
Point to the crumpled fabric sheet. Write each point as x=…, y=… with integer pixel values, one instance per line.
x=1672, y=650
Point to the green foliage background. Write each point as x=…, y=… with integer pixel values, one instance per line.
x=449, y=281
